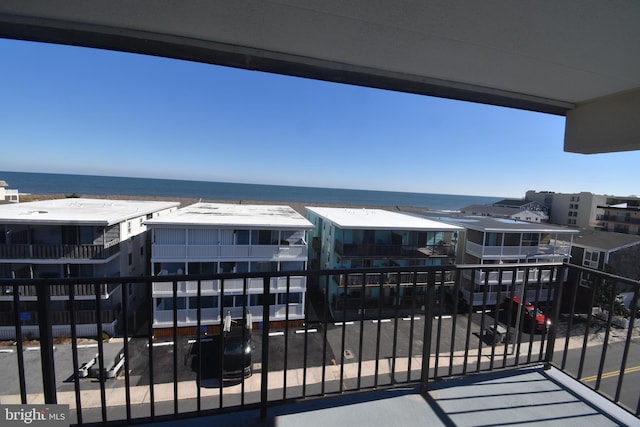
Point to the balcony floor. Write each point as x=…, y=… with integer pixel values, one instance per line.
x=526, y=396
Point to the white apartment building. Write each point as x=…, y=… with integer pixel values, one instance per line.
x=210, y=238
x=573, y=209
x=490, y=241
x=73, y=238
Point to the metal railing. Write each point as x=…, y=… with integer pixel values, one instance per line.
x=398, y=339
x=51, y=251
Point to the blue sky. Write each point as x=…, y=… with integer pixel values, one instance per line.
x=87, y=111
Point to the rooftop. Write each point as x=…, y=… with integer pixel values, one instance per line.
x=100, y=212
x=353, y=218
x=234, y=215
x=490, y=224
x=608, y=241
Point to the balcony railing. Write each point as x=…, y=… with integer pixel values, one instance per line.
x=229, y=251
x=354, y=250
x=618, y=218
x=80, y=290
x=47, y=251
x=412, y=333
x=559, y=249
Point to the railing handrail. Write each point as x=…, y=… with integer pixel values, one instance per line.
x=425, y=300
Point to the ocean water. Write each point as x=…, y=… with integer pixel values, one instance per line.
x=45, y=183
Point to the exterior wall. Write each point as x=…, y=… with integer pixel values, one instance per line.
x=198, y=250
x=79, y=251
x=621, y=220
x=489, y=248
x=576, y=209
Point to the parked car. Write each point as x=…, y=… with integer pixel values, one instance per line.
x=530, y=314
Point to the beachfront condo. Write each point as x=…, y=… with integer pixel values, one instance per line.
x=489, y=241
x=208, y=238
x=73, y=238
x=351, y=238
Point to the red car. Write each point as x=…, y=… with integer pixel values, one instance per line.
x=530, y=314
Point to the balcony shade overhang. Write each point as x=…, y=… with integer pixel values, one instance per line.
x=574, y=58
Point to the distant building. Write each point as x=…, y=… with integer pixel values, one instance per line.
x=210, y=238
x=7, y=195
x=519, y=210
x=608, y=251
x=73, y=238
x=574, y=209
x=621, y=215
x=367, y=238
x=490, y=241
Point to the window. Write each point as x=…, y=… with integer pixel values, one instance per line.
x=294, y=298
x=591, y=259
x=229, y=301
x=257, y=300
x=205, y=302
x=167, y=303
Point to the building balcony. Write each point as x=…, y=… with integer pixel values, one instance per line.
x=80, y=290
x=431, y=363
x=618, y=218
x=271, y=252
x=560, y=249
x=354, y=250
x=57, y=252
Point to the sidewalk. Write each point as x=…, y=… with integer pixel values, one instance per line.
x=140, y=395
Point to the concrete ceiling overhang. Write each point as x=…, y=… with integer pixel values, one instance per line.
x=577, y=58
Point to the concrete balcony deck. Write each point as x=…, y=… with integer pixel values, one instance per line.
x=525, y=396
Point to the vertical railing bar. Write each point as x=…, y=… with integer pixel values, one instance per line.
x=439, y=325
x=325, y=319
x=379, y=325
x=495, y=321
x=306, y=346
x=344, y=333
x=485, y=291
x=74, y=353
x=245, y=327
x=557, y=287
x=469, y=316
x=412, y=323
x=286, y=338
x=152, y=409
x=508, y=338
x=627, y=345
x=43, y=292
x=605, y=344
x=19, y=349
x=532, y=323
x=221, y=350
x=551, y=295
x=574, y=297
x=102, y=376
x=587, y=329
x=361, y=338
x=454, y=322
x=264, y=374
x=199, y=344
x=127, y=379
x=175, y=346
x=428, y=332
x=395, y=329
x=519, y=322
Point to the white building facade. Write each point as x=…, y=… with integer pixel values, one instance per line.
x=74, y=238
x=209, y=238
x=489, y=241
